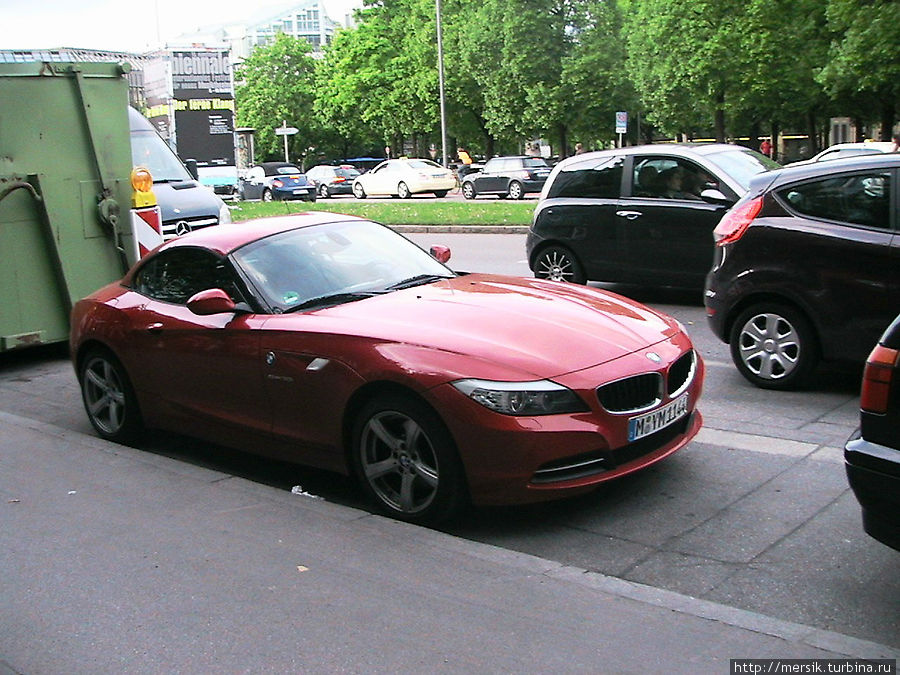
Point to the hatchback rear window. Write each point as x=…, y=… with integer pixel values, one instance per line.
x=861, y=199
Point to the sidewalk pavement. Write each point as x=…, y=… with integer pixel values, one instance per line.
x=116, y=560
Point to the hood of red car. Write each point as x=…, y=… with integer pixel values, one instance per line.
x=535, y=326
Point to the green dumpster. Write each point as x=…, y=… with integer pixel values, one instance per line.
x=65, y=193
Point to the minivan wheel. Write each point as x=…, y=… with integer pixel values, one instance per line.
x=774, y=346
x=558, y=264
x=515, y=190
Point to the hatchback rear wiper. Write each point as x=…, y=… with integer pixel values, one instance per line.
x=417, y=280
x=331, y=299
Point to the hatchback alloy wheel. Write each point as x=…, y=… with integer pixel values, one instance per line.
x=515, y=190
x=468, y=190
x=773, y=346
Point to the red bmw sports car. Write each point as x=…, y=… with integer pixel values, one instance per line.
x=335, y=342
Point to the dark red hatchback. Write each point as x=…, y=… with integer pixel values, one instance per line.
x=805, y=268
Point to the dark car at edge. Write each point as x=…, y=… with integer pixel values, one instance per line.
x=511, y=177
x=872, y=455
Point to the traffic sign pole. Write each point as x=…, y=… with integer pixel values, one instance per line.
x=285, y=130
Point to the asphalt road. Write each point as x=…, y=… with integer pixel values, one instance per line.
x=755, y=514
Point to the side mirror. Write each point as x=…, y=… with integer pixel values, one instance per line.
x=211, y=301
x=440, y=253
x=714, y=196
x=191, y=165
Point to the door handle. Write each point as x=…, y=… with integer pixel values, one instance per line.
x=631, y=215
x=154, y=328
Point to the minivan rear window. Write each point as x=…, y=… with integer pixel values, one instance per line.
x=595, y=180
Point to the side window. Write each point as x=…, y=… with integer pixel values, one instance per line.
x=860, y=199
x=174, y=276
x=594, y=180
x=492, y=165
x=669, y=178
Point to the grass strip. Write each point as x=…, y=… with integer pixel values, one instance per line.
x=409, y=212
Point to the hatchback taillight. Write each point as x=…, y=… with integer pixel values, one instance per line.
x=735, y=222
x=277, y=183
x=340, y=179
x=876, y=384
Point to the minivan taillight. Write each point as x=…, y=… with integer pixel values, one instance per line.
x=735, y=222
x=876, y=384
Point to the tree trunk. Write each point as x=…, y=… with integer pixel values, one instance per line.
x=812, y=146
x=754, y=135
x=563, y=138
x=888, y=114
x=720, y=117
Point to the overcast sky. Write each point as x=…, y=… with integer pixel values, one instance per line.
x=125, y=25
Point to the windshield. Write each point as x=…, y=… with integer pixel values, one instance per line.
x=150, y=151
x=742, y=165
x=348, y=259
x=424, y=164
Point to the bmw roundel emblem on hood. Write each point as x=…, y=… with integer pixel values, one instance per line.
x=653, y=356
x=182, y=227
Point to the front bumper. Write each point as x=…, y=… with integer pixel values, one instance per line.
x=516, y=460
x=873, y=472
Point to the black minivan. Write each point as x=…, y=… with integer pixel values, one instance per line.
x=807, y=268
x=638, y=215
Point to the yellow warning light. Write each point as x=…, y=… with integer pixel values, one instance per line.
x=142, y=182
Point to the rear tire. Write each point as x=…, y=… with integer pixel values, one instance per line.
x=516, y=191
x=109, y=398
x=774, y=346
x=324, y=193
x=403, y=191
x=267, y=195
x=358, y=191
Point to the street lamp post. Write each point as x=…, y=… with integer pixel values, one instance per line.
x=440, y=50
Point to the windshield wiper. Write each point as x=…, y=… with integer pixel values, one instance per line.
x=417, y=280
x=331, y=299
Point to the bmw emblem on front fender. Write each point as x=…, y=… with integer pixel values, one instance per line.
x=653, y=356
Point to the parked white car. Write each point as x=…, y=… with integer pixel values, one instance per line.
x=842, y=150
x=404, y=178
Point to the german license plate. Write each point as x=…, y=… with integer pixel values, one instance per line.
x=301, y=192
x=648, y=423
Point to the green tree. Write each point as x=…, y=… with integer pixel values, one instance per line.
x=277, y=84
x=863, y=63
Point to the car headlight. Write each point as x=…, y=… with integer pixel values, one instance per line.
x=224, y=214
x=542, y=397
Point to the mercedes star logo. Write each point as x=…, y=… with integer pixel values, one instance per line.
x=182, y=227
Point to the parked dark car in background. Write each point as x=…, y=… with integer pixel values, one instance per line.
x=332, y=180
x=872, y=455
x=641, y=215
x=270, y=181
x=806, y=268
x=511, y=177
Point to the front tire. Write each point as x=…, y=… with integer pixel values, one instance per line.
x=267, y=195
x=406, y=461
x=774, y=346
x=109, y=398
x=468, y=190
x=403, y=191
x=358, y=191
x=324, y=192
x=559, y=264
x=516, y=191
